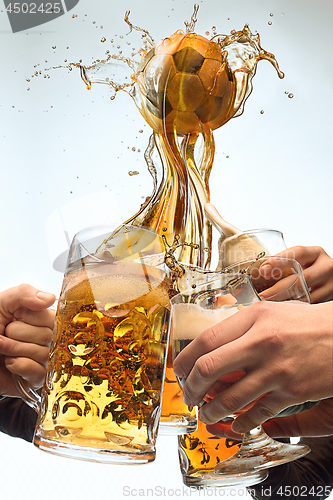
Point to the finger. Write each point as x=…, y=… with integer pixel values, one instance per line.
x=279, y=287
x=36, y=318
x=235, y=398
x=25, y=296
x=267, y=407
x=31, y=334
x=211, y=339
x=34, y=373
x=306, y=256
x=317, y=275
x=13, y=348
x=322, y=293
x=223, y=430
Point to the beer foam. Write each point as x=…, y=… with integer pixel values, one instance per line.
x=189, y=320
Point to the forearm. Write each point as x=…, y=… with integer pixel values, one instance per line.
x=17, y=419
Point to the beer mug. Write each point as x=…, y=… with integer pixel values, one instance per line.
x=101, y=400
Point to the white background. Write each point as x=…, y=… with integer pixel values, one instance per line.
x=66, y=154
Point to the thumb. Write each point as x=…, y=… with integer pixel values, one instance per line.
x=22, y=296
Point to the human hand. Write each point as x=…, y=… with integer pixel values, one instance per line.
x=284, y=349
x=317, y=269
x=25, y=335
x=318, y=421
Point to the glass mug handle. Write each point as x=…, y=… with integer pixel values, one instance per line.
x=29, y=395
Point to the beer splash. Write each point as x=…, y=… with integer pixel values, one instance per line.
x=185, y=86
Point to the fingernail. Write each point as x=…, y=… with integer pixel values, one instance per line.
x=237, y=427
x=187, y=401
x=178, y=371
x=44, y=296
x=9, y=361
x=266, y=270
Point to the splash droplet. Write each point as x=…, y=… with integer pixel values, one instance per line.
x=262, y=112
x=133, y=172
x=290, y=96
x=103, y=39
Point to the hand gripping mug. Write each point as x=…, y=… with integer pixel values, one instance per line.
x=101, y=399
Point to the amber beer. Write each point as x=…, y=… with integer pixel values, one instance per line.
x=106, y=368
x=176, y=417
x=200, y=452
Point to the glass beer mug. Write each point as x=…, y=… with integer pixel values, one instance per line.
x=101, y=399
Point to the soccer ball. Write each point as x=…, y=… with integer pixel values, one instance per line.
x=185, y=83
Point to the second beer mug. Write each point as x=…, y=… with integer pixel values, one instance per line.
x=102, y=396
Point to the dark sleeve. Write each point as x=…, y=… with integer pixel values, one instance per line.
x=310, y=477
x=17, y=419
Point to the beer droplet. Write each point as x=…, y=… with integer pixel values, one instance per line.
x=133, y=172
x=133, y=149
x=290, y=96
x=262, y=112
x=270, y=23
x=89, y=86
x=140, y=131
x=271, y=14
x=54, y=47
x=103, y=39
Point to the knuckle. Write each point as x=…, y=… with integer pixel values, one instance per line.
x=205, y=366
x=45, y=337
x=45, y=356
x=261, y=309
x=210, y=338
x=229, y=403
x=297, y=252
x=265, y=412
x=24, y=289
x=329, y=266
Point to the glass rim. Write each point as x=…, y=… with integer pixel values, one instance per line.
x=266, y=257
x=115, y=226
x=256, y=231
x=191, y=290
x=298, y=268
